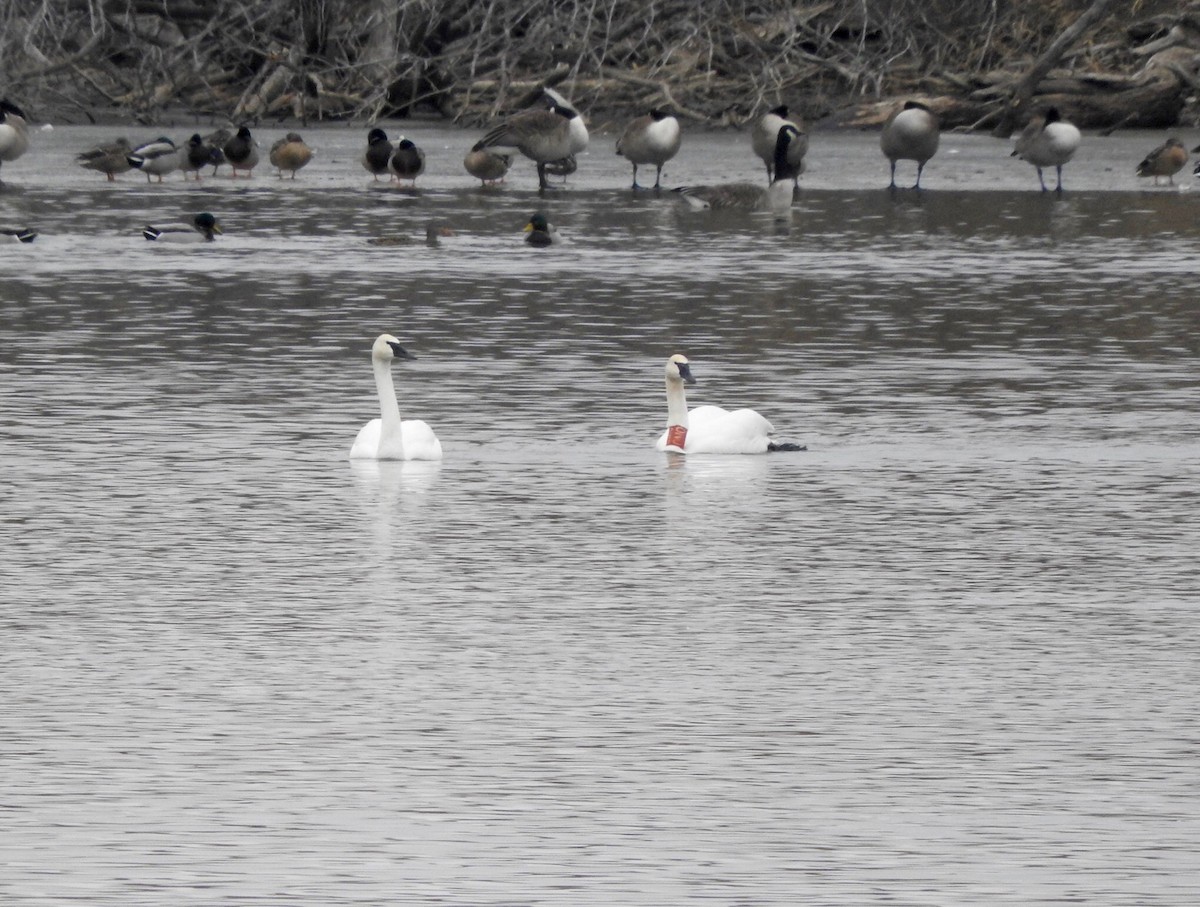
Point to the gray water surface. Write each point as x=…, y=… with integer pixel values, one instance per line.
x=948, y=655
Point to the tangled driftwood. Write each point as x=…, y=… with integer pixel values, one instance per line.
x=978, y=63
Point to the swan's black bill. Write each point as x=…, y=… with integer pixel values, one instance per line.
x=400, y=352
x=685, y=372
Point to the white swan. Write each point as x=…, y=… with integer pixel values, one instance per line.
x=389, y=438
x=711, y=429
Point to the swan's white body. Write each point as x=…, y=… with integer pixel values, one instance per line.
x=389, y=437
x=709, y=429
x=14, y=133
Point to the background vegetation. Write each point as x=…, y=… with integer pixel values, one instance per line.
x=714, y=61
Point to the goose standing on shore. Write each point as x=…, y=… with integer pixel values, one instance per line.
x=910, y=134
x=389, y=437
x=157, y=158
x=542, y=136
x=1165, y=160
x=14, y=132
x=711, y=429
x=776, y=198
x=378, y=155
x=652, y=139
x=241, y=152
x=108, y=159
x=763, y=137
x=289, y=153
x=407, y=161
x=1047, y=141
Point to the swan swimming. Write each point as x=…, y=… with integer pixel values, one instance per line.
x=711, y=429
x=389, y=438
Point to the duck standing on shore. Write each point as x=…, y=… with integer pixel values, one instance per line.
x=1165, y=160
x=289, y=153
x=241, y=152
x=156, y=158
x=487, y=166
x=196, y=155
x=378, y=156
x=407, y=161
x=108, y=159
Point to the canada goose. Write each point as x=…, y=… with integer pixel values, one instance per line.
x=389, y=437
x=766, y=131
x=1047, y=141
x=241, y=152
x=1165, y=160
x=22, y=235
x=196, y=155
x=750, y=196
x=407, y=161
x=378, y=155
x=910, y=134
x=539, y=231
x=541, y=135
x=652, y=139
x=107, y=159
x=157, y=158
x=711, y=429
x=201, y=229
x=14, y=132
x=489, y=167
x=289, y=153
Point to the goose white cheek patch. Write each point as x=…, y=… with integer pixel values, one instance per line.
x=676, y=436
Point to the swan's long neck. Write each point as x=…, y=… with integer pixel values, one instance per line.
x=389, y=409
x=676, y=404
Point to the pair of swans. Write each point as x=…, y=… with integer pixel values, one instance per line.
x=705, y=429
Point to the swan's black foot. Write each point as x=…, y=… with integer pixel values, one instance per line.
x=785, y=445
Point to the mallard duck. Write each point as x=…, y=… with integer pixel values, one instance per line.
x=711, y=429
x=216, y=140
x=196, y=155
x=14, y=132
x=910, y=134
x=1165, y=160
x=378, y=156
x=434, y=232
x=652, y=139
x=487, y=166
x=541, y=135
x=157, y=158
x=202, y=229
x=22, y=235
x=407, y=161
x=1047, y=141
x=540, y=232
x=750, y=196
x=290, y=153
x=766, y=131
x=107, y=159
x=241, y=152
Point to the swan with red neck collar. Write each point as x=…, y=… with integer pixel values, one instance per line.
x=710, y=429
